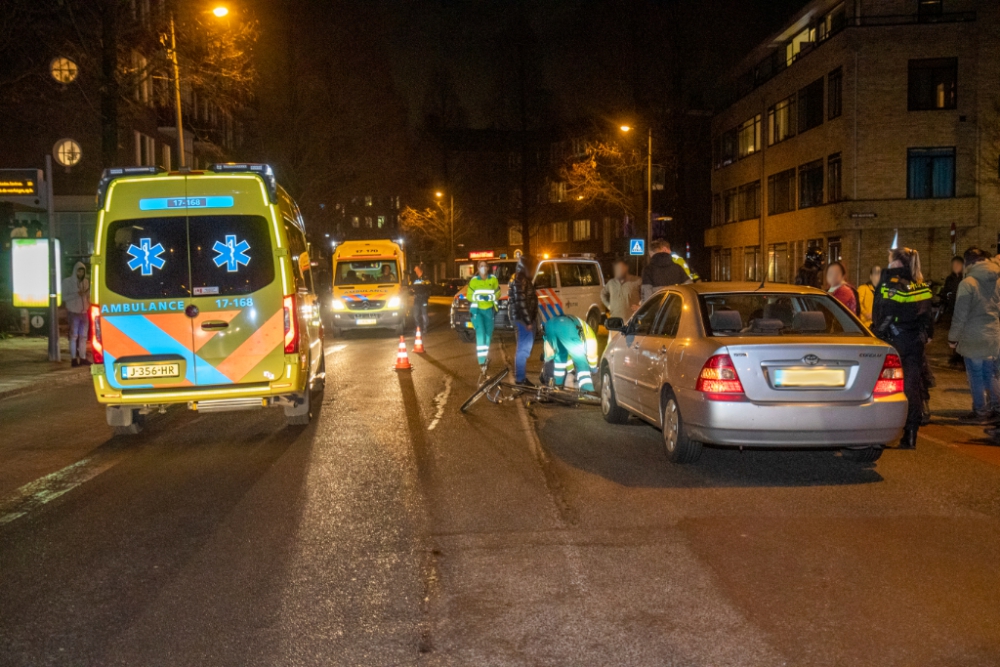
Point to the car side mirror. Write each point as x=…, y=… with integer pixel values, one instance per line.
x=615, y=324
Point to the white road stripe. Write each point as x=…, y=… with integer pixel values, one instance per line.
x=440, y=401
x=33, y=495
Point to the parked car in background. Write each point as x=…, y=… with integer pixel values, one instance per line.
x=449, y=287
x=743, y=365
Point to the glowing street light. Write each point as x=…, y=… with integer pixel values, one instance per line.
x=220, y=11
x=626, y=128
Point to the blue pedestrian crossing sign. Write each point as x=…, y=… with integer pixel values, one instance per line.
x=637, y=247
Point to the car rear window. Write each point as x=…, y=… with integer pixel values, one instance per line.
x=147, y=258
x=762, y=314
x=230, y=254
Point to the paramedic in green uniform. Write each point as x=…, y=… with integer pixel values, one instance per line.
x=482, y=293
x=570, y=343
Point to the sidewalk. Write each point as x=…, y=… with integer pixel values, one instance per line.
x=25, y=366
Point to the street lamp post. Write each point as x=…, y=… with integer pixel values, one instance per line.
x=649, y=181
x=451, y=226
x=219, y=12
x=177, y=94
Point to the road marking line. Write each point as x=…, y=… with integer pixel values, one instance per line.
x=335, y=348
x=33, y=495
x=440, y=401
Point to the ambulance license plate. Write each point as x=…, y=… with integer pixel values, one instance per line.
x=366, y=321
x=136, y=371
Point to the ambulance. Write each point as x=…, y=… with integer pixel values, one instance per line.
x=369, y=286
x=202, y=295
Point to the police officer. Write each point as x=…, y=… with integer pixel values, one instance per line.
x=901, y=316
x=570, y=344
x=483, y=292
x=809, y=273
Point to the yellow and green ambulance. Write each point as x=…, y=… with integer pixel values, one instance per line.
x=370, y=286
x=202, y=295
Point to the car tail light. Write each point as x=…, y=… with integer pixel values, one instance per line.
x=719, y=381
x=96, y=344
x=291, y=325
x=890, y=380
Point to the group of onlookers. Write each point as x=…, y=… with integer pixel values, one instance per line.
x=896, y=304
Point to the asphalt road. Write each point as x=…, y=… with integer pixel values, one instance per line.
x=395, y=530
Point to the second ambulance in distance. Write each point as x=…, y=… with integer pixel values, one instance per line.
x=369, y=286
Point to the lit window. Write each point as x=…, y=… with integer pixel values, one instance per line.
x=67, y=152
x=560, y=232
x=63, y=70
x=749, y=136
x=581, y=230
x=933, y=84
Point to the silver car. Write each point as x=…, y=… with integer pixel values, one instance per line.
x=738, y=364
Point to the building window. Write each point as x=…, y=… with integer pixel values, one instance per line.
x=811, y=106
x=514, y=236
x=167, y=158
x=557, y=192
x=368, y=200
x=143, y=81
x=355, y=222
x=749, y=201
x=751, y=263
x=722, y=261
x=781, y=192
x=777, y=262
x=145, y=150
x=717, y=213
x=933, y=84
x=581, y=230
x=834, y=178
x=835, y=93
x=368, y=221
x=725, y=148
x=749, y=137
x=928, y=9
x=779, y=121
x=930, y=173
x=380, y=221
x=833, y=250
x=811, y=184
x=559, y=232
x=729, y=205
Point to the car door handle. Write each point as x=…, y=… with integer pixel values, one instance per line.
x=663, y=349
x=214, y=325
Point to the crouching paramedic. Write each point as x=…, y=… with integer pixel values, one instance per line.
x=483, y=292
x=570, y=344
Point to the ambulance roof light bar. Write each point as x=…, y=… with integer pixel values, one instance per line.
x=259, y=168
x=112, y=173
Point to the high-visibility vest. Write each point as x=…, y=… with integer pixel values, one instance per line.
x=483, y=292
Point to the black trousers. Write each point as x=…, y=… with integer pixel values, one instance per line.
x=911, y=355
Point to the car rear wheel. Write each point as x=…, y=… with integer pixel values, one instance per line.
x=594, y=320
x=612, y=412
x=863, y=455
x=677, y=445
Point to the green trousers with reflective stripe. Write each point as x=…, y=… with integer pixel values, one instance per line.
x=563, y=336
x=482, y=321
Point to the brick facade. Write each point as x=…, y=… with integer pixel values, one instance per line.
x=870, y=45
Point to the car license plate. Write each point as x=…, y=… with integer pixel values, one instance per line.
x=366, y=321
x=135, y=371
x=810, y=377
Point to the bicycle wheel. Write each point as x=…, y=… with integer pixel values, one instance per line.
x=486, y=386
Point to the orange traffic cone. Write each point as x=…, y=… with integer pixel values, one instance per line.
x=402, y=360
x=418, y=343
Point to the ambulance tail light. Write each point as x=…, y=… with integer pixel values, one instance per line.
x=96, y=344
x=291, y=325
x=890, y=380
x=719, y=381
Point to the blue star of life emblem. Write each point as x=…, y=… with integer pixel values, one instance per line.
x=231, y=253
x=145, y=257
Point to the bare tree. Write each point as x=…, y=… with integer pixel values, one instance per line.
x=604, y=174
x=431, y=229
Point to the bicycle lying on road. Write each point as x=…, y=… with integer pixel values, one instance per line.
x=497, y=391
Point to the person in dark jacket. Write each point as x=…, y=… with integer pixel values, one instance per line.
x=950, y=288
x=421, y=294
x=901, y=316
x=809, y=273
x=522, y=308
x=663, y=269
